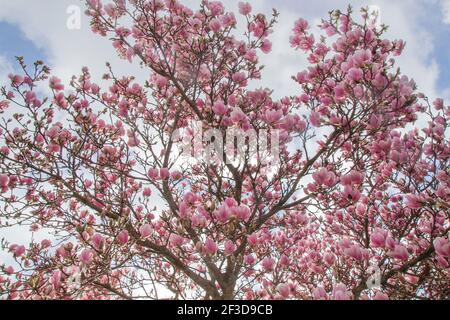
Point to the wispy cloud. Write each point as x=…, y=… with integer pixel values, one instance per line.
x=69, y=50
x=446, y=11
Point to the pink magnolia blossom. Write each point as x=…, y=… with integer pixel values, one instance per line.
x=123, y=237
x=210, y=246
x=273, y=115
x=17, y=250
x=380, y=296
x=340, y=292
x=438, y=103
x=86, y=256
x=164, y=173
x=176, y=175
x=215, y=25
x=350, y=194
x=355, y=74
x=245, y=8
x=237, y=115
x=362, y=56
x=145, y=230
x=266, y=46
x=55, y=84
x=329, y=259
x=442, y=247
x=46, y=243
x=284, y=290
x=4, y=182
x=223, y=214
x=249, y=259
x=400, y=252
x=153, y=173
x=378, y=239
x=147, y=192
x=56, y=279
x=300, y=26
x=239, y=77
x=220, y=109
x=315, y=119
x=339, y=92
x=324, y=177
x=229, y=247
x=354, y=177
x=242, y=212
x=414, y=201
x=268, y=264
x=98, y=241
x=176, y=240
x=355, y=252
x=319, y=293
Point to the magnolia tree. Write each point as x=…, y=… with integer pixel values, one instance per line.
x=353, y=203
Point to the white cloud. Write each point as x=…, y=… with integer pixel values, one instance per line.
x=404, y=18
x=446, y=10
x=45, y=23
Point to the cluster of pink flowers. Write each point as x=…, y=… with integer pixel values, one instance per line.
x=354, y=189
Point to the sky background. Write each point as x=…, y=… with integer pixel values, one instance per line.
x=38, y=30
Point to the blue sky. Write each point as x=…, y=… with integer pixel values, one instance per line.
x=13, y=42
x=441, y=37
